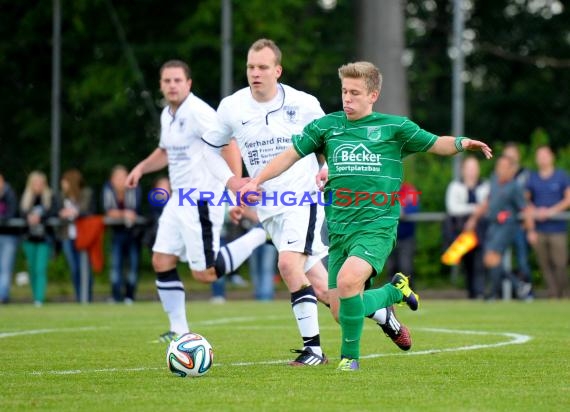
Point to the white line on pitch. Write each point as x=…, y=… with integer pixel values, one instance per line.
x=42, y=331
x=515, y=339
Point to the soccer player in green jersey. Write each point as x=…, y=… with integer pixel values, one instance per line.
x=364, y=151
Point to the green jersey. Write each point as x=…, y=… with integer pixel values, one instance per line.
x=365, y=166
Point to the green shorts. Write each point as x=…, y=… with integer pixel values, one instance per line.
x=372, y=246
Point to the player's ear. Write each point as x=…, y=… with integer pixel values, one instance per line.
x=278, y=71
x=374, y=96
x=189, y=84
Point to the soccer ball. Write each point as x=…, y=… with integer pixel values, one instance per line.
x=189, y=355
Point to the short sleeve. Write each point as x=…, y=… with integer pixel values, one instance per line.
x=219, y=132
x=310, y=140
x=203, y=119
x=415, y=138
x=312, y=110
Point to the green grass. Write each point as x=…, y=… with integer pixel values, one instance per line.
x=68, y=357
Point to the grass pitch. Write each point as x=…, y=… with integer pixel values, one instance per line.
x=466, y=356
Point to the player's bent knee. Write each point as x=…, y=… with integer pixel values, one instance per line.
x=286, y=267
x=334, y=308
x=334, y=313
x=162, y=262
x=346, y=283
x=205, y=276
x=322, y=295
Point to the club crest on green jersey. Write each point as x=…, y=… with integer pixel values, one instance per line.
x=374, y=133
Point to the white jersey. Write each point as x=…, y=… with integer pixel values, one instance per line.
x=181, y=137
x=264, y=130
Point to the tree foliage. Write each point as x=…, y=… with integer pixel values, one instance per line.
x=517, y=72
x=105, y=118
x=517, y=67
x=517, y=76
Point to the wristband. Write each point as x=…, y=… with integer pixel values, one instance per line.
x=458, y=144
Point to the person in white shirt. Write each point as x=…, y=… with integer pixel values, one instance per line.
x=189, y=227
x=262, y=118
x=462, y=198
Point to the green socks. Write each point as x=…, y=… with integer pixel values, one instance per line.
x=352, y=311
x=383, y=297
x=351, y=317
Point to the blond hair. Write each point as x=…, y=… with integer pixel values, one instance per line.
x=28, y=196
x=270, y=44
x=362, y=70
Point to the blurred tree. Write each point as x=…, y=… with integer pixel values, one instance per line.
x=517, y=67
x=381, y=41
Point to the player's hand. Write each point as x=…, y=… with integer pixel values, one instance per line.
x=322, y=177
x=249, y=193
x=476, y=145
x=234, y=183
x=133, y=178
x=236, y=213
x=206, y=276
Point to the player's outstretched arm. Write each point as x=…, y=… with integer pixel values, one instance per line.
x=278, y=165
x=449, y=145
x=232, y=156
x=223, y=165
x=157, y=160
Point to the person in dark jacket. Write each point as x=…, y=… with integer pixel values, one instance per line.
x=123, y=204
x=8, y=237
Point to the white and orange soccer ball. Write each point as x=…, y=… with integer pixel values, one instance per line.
x=189, y=355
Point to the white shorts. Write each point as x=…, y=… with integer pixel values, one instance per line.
x=190, y=232
x=298, y=229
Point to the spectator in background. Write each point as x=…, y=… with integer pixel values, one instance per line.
x=37, y=205
x=75, y=200
x=400, y=259
x=501, y=209
x=124, y=205
x=461, y=199
x=520, y=245
x=548, y=191
x=8, y=237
